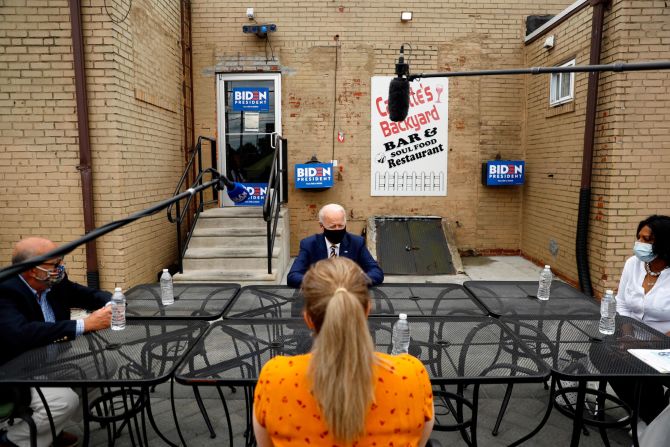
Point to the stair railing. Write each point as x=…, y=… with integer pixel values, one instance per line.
x=191, y=208
x=273, y=196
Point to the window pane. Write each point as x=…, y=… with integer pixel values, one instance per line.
x=565, y=85
x=554, y=87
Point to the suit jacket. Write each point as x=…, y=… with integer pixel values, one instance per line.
x=313, y=249
x=22, y=325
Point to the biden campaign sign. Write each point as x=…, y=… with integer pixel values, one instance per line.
x=505, y=172
x=257, y=192
x=251, y=99
x=314, y=175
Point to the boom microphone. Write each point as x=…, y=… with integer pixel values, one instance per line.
x=236, y=191
x=399, y=90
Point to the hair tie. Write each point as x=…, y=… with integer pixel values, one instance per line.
x=340, y=289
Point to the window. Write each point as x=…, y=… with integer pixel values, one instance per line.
x=562, y=86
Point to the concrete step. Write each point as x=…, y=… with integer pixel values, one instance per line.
x=229, y=242
x=228, y=275
x=230, y=252
x=234, y=211
x=238, y=263
x=233, y=231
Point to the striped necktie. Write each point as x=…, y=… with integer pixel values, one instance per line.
x=333, y=253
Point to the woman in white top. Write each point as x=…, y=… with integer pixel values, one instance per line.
x=644, y=289
x=644, y=294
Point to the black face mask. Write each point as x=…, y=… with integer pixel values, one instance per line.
x=335, y=236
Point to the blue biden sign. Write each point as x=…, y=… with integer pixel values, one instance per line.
x=251, y=99
x=503, y=172
x=314, y=175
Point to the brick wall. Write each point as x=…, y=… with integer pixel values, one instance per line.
x=486, y=114
x=134, y=98
x=631, y=154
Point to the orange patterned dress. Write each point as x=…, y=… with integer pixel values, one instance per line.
x=284, y=405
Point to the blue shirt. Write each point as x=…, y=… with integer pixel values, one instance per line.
x=47, y=311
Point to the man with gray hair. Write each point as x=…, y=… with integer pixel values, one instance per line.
x=334, y=241
x=35, y=311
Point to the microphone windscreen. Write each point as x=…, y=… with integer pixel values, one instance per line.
x=398, y=99
x=238, y=193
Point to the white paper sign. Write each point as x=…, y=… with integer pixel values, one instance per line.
x=409, y=158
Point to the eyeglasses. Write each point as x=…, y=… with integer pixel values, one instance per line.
x=56, y=266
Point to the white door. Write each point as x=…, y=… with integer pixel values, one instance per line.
x=249, y=112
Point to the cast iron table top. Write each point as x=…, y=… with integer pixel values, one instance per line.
x=144, y=353
x=518, y=299
x=263, y=302
x=574, y=348
x=191, y=301
x=453, y=349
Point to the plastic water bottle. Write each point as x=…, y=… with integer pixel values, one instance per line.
x=545, y=284
x=401, y=335
x=167, y=294
x=607, y=313
x=118, y=310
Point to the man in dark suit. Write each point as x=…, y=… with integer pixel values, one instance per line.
x=35, y=311
x=334, y=241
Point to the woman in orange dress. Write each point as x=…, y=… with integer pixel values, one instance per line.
x=343, y=393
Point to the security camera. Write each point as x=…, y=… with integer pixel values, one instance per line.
x=549, y=42
x=250, y=13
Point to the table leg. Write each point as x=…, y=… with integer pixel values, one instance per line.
x=473, y=417
x=152, y=421
x=203, y=411
x=46, y=408
x=544, y=420
x=503, y=408
x=84, y=404
x=174, y=413
x=579, y=414
x=225, y=409
x=636, y=409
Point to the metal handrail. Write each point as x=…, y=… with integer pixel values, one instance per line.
x=199, y=206
x=271, y=204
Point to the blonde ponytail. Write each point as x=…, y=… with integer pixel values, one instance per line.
x=341, y=368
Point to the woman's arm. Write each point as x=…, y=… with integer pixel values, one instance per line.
x=262, y=436
x=427, y=430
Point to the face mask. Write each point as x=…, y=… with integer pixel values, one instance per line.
x=644, y=251
x=335, y=236
x=53, y=276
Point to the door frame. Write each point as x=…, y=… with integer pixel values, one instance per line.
x=221, y=78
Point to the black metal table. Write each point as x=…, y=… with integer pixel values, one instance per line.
x=455, y=350
x=144, y=354
x=575, y=350
x=258, y=302
x=519, y=299
x=202, y=301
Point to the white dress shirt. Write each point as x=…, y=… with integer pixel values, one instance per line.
x=652, y=308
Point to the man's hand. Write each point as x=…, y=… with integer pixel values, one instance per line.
x=100, y=319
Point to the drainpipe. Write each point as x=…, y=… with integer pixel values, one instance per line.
x=92, y=273
x=583, y=271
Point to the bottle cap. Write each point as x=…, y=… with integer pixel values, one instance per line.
x=609, y=292
x=402, y=316
x=117, y=289
x=165, y=270
x=547, y=267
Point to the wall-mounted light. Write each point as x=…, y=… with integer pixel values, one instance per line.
x=250, y=13
x=406, y=16
x=549, y=42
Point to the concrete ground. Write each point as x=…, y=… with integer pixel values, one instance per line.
x=525, y=410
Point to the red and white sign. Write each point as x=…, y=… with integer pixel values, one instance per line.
x=409, y=158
